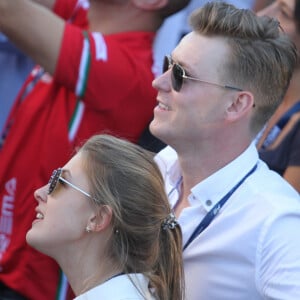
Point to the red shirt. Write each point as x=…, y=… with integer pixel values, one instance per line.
x=101, y=84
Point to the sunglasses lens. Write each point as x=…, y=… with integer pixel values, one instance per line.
x=53, y=181
x=177, y=73
x=177, y=77
x=167, y=63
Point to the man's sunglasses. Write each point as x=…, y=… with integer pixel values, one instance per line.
x=178, y=75
x=56, y=177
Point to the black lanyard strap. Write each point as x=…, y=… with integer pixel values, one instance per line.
x=215, y=210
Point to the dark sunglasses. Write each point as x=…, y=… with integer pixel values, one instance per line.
x=56, y=177
x=178, y=75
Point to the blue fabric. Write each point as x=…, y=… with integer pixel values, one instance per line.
x=14, y=68
x=287, y=153
x=285, y=118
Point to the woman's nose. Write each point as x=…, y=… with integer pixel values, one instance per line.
x=41, y=193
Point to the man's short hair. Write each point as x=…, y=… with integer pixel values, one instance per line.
x=262, y=57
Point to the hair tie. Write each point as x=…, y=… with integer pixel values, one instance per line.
x=169, y=222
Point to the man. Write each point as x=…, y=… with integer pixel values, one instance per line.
x=219, y=87
x=93, y=75
x=168, y=36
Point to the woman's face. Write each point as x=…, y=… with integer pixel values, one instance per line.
x=283, y=11
x=63, y=215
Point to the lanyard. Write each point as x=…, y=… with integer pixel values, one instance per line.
x=215, y=210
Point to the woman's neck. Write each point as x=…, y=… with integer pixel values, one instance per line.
x=87, y=271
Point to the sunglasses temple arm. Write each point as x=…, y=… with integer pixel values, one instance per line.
x=74, y=187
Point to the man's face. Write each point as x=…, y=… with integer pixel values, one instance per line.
x=197, y=110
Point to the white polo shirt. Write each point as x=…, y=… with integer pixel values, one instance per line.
x=120, y=288
x=251, y=249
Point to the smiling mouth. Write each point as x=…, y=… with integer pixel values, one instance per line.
x=163, y=106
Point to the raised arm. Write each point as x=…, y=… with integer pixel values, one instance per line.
x=34, y=29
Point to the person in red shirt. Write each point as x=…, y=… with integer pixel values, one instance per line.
x=93, y=76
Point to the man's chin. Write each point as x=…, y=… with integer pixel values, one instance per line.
x=159, y=132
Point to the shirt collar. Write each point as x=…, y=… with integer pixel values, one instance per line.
x=168, y=160
x=208, y=193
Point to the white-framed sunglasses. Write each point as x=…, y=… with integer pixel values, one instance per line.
x=56, y=177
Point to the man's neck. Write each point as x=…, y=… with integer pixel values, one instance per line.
x=197, y=166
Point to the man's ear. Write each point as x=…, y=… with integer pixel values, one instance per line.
x=101, y=220
x=242, y=104
x=150, y=4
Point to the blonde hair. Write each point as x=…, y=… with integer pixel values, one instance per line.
x=262, y=58
x=125, y=177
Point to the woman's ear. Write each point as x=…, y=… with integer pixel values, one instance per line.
x=242, y=104
x=150, y=4
x=101, y=220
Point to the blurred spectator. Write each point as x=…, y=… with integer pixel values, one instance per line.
x=279, y=142
x=260, y=4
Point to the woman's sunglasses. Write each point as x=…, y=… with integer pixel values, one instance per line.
x=178, y=75
x=56, y=177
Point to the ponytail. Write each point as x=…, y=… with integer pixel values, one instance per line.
x=168, y=280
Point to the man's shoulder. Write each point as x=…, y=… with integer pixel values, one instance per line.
x=273, y=189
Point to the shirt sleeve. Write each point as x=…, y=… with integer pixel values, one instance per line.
x=104, y=70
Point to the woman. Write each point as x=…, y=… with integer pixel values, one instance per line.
x=279, y=143
x=105, y=218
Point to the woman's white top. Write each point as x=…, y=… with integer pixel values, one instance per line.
x=120, y=288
